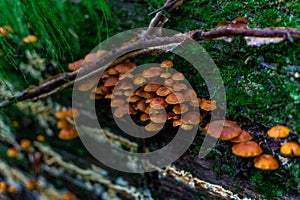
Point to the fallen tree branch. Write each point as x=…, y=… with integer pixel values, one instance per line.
x=155, y=45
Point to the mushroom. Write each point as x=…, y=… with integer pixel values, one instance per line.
x=158, y=103
x=75, y=65
x=246, y=149
x=112, y=81
x=112, y=71
x=166, y=64
x=180, y=108
x=278, y=132
x=152, y=87
x=178, y=76
x=266, y=162
x=177, y=122
x=175, y=98
x=192, y=118
x=152, y=72
x=12, y=189
x=139, y=80
x=62, y=124
x=186, y=127
x=179, y=86
x=25, y=143
x=68, y=196
x=158, y=118
x=169, y=82
x=68, y=134
x=163, y=91
x=290, y=149
x=30, y=184
x=12, y=152
x=117, y=102
x=3, y=187
x=91, y=57
x=153, y=127
x=243, y=137
x=67, y=113
x=144, y=117
x=208, y=105
x=229, y=129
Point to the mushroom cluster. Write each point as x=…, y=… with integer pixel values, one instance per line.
x=66, y=124
x=244, y=147
x=153, y=96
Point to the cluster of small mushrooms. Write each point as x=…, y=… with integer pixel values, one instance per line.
x=153, y=96
x=66, y=124
x=245, y=147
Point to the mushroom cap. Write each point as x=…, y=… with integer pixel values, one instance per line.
x=230, y=129
x=190, y=94
x=112, y=81
x=124, y=85
x=30, y=184
x=144, y=117
x=169, y=82
x=102, y=90
x=124, y=67
x=266, y=162
x=68, y=196
x=158, y=103
x=62, y=124
x=68, y=134
x=12, y=152
x=178, y=76
x=133, y=99
x=243, y=137
x=165, y=75
x=87, y=84
x=141, y=93
x=179, y=86
x=25, y=143
x=177, y=122
x=139, y=80
x=40, y=138
x=152, y=72
x=290, y=149
x=186, y=127
x=123, y=110
x=128, y=75
x=153, y=127
x=91, y=57
x=246, y=149
x=192, y=118
x=158, y=118
x=163, y=91
x=152, y=87
x=75, y=65
x=105, y=75
x=166, y=64
x=117, y=102
x=195, y=102
x=279, y=132
x=141, y=105
x=112, y=71
x=175, y=98
x=3, y=186
x=67, y=113
x=208, y=105
x=180, y=108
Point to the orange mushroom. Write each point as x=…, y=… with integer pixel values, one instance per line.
x=246, y=149
x=30, y=39
x=290, y=149
x=12, y=152
x=158, y=118
x=192, y=118
x=163, y=91
x=153, y=127
x=75, y=65
x=3, y=187
x=25, y=143
x=158, y=103
x=229, y=129
x=175, y=98
x=243, y=137
x=30, y=184
x=152, y=87
x=266, y=162
x=68, y=134
x=208, y=105
x=279, y=132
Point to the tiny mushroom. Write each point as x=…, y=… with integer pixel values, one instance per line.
x=266, y=162
x=68, y=134
x=166, y=64
x=246, y=149
x=290, y=149
x=25, y=143
x=12, y=152
x=154, y=127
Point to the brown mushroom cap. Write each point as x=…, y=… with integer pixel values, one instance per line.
x=91, y=57
x=180, y=108
x=121, y=111
x=178, y=76
x=166, y=64
x=195, y=102
x=87, y=84
x=169, y=82
x=75, y=65
x=152, y=87
x=158, y=103
x=158, y=118
x=163, y=91
x=144, y=117
x=30, y=184
x=208, y=105
x=68, y=134
x=165, y=75
x=112, y=81
x=246, y=149
x=243, y=137
x=139, y=80
x=122, y=68
x=192, y=118
x=179, y=86
x=152, y=72
x=175, y=98
x=279, y=132
x=230, y=129
x=190, y=94
x=186, y=127
x=141, y=105
x=133, y=99
x=290, y=149
x=25, y=143
x=67, y=113
x=117, y=102
x=112, y=71
x=266, y=162
x=154, y=127
x=62, y=124
x=177, y=122
x=102, y=90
